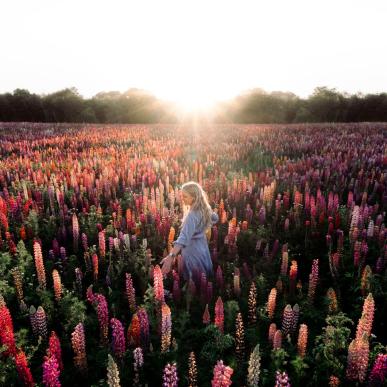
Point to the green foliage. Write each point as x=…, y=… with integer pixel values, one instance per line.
x=230, y=310
x=71, y=311
x=331, y=347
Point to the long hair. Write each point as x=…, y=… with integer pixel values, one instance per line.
x=199, y=204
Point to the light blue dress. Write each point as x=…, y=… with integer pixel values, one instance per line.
x=195, y=251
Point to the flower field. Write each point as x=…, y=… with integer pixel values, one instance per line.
x=299, y=292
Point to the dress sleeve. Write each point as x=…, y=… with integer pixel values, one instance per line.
x=187, y=231
x=214, y=218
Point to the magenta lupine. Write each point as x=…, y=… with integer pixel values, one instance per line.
x=51, y=372
x=118, y=338
x=378, y=375
x=222, y=375
x=170, y=377
x=144, y=327
x=313, y=279
x=99, y=301
x=130, y=292
x=54, y=349
x=281, y=379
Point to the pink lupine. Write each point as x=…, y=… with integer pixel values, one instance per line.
x=118, y=338
x=277, y=339
x=51, y=372
x=281, y=379
x=222, y=375
x=357, y=360
x=79, y=348
x=219, y=317
x=366, y=320
x=158, y=284
x=170, y=377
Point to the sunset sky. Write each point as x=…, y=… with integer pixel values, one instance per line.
x=193, y=52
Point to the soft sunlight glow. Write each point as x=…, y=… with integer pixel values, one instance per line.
x=193, y=52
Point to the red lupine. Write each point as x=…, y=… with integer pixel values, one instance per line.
x=23, y=370
x=6, y=330
x=219, y=317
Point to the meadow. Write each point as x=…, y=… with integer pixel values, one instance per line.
x=298, y=295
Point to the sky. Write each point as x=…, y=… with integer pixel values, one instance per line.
x=193, y=52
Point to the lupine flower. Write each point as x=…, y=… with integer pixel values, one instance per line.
x=144, y=327
x=239, y=338
x=113, y=375
x=272, y=331
x=237, y=286
x=366, y=280
x=18, y=282
x=23, y=370
x=367, y=317
x=271, y=303
x=166, y=327
x=118, y=338
x=222, y=375
x=6, y=329
x=334, y=381
x=281, y=379
x=378, y=375
x=75, y=232
x=252, y=304
x=332, y=301
x=94, y=260
x=192, y=370
x=79, y=348
x=287, y=319
x=134, y=331
x=219, y=278
x=158, y=284
x=41, y=322
x=206, y=316
x=57, y=285
x=254, y=368
x=170, y=377
x=54, y=349
x=302, y=340
x=296, y=315
x=130, y=292
x=219, y=316
x=102, y=244
x=357, y=361
x=313, y=278
x=284, y=263
x=138, y=363
x=51, y=372
x=293, y=277
x=39, y=265
x=277, y=339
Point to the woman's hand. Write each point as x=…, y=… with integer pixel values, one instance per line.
x=166, y=264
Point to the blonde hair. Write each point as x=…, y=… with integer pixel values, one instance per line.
x=199, y=204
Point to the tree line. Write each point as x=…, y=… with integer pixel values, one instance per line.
x=138, y=106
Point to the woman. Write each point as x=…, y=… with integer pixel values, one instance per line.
x=192, y=241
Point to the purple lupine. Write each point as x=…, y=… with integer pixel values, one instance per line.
x=144, y=327
x=118, y=338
